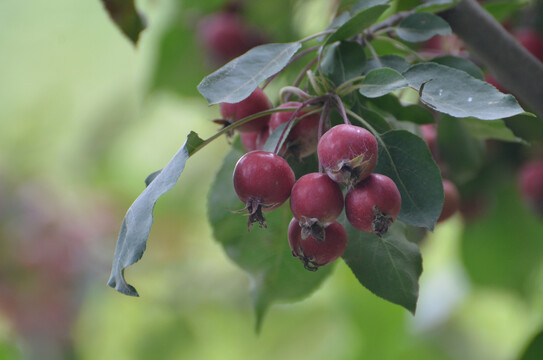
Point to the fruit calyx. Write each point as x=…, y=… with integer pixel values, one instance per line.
x=351, y=170
x=381, y=222
x=312, y=227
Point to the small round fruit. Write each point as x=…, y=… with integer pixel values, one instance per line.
x=315, y=253
x=348, y=153
x=451, y=200
x=255, y=140
x=263, y=181
x=303, y=137
x=530, y=182
x=373, y=205
x=315, y=201
x=254, y=103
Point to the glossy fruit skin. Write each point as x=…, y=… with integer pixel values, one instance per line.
x=255, y=140
x=263, y=177
x=451, y=201
x=314, y=253
x=530, y=183
x=303, y=137
x=254, y=103
x=225, y=36
x=317, y=196
x=348, y=153
x=373, y=205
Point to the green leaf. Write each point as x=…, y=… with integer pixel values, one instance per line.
x=406, y=159
x=490, y=129
x=125, y=15
x=343, y=61
x=389, y=266
x=501, y=10
x=382, y=81
x=276, y=276
x=462, y=152
x=422, y=26
x=412, y=113
x=436, y=5
x=240, y=77
x=534, y=350
x=503, y=249
x=139, y=217
x=457, y=93
x=460, y=64
x=373, y=118
x=359, y=21
x=395, y=62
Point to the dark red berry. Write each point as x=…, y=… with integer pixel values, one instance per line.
x=530, y=182
x=255, y=140
x=451, y=200
x=254, y=103
x=373, y=205
x=225, y=36
x=315, y=253
x=303, y=137
x=263, y=182
x=316, y=201
x=348, y=153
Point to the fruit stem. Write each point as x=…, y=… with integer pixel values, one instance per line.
x=373, y=52
x=314, y=83
x=287, y=90
x=289, y=123
x=401, y=46
x=347, y=83
x=324, y=117
x=341, y=109
x=325, y=32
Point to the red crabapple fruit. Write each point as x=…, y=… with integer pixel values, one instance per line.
x=348, y=153
x=373, y=204
x=530, y=182
x=255, y=140
x=451, y=200
x=263, y=181
x=254, y=103
x=315, y=201
x=303, y=137
x=314, y=253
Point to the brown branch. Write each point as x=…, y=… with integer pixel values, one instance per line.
x=513, y=66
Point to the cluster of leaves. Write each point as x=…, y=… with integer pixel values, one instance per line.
x=391, y=95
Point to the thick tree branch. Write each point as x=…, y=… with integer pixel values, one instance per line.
x=514, y=67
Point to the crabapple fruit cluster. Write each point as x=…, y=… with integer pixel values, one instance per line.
x=348, y=155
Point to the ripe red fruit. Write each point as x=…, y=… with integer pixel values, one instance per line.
x=348, y=153
x=255, y=140
x=315, y=253
x=303, y=137
x=225, y=36
x=373, y=205
x=429, y=134
x=530, y=182
x=451, y=200
x=531, y=40
x=263, y=181
x=315, y=201
x=254, y=103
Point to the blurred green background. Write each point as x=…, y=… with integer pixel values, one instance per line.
x=85, y=117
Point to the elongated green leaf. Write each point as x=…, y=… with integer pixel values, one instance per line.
x=421, y=27
x=534, y=350
x=240, y=77
x=406, y=159
x=276, y=276
x=463, y=153
x=343, y=61
x=382, y=81
x=395, y=62
x=412, y=113
x=490, y=129
x=125, y=15
x=358, y=22
x=460, y=64
x=436, y=5
x=139, y=217
x=457, y=93
x=389, y=266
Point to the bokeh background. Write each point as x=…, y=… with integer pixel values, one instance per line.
x=85, y=117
